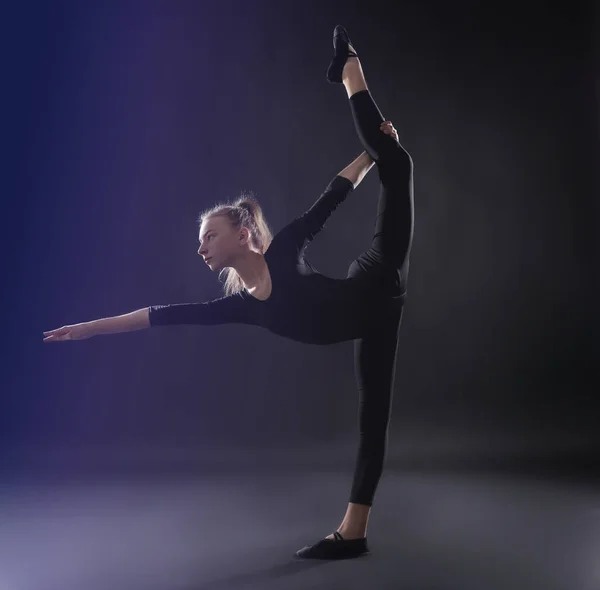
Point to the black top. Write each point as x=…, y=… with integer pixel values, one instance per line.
x=304, y=305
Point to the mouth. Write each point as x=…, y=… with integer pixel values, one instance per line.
x=208, y=260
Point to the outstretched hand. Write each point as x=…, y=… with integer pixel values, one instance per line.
x=389, y=129
x=74, y=332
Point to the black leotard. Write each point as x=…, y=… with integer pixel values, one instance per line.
x=304, y=304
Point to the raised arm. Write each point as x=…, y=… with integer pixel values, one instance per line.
x=358, y=169
x=311, y=222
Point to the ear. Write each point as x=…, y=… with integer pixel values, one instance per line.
x=244, y=235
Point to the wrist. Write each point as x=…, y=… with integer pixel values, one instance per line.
x=94, y=327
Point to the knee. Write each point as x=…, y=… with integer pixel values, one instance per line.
x=408, y=159
x=396, y=157
x=395, y=170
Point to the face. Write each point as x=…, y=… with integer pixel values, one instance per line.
x=220, y=243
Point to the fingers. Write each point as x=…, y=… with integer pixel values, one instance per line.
x=50, y=332
x=56, y=335
x=388, y=128
x=56, y=338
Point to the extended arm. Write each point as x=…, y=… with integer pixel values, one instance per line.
x=226, y=310
x=128, y=322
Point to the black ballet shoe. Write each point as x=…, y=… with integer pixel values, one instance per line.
x=342, y=52
x=336, y=548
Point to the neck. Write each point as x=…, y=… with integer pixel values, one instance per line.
x=252, y=268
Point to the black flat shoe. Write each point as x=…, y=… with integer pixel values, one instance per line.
x=336, y=548
x=342, y=52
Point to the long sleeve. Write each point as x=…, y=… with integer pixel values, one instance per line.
x=310, y=223
x=225, y=310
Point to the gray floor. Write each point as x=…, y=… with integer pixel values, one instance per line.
x=429, y=530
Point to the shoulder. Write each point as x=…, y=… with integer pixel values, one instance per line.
x=285, y=238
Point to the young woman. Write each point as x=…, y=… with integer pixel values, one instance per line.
x=269, y=283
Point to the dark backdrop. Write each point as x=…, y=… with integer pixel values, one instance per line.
x=125, y=119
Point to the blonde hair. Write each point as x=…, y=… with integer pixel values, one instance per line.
x=245, y=211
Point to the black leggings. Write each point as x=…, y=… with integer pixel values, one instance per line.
x=385, y=262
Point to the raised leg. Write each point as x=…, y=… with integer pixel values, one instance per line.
x=353, y=76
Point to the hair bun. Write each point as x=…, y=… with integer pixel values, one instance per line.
x=247, y=206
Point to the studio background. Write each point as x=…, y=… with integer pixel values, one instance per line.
x=125, y=119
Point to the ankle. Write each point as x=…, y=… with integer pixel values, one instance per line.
x=352, y=530
x=351, y=67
